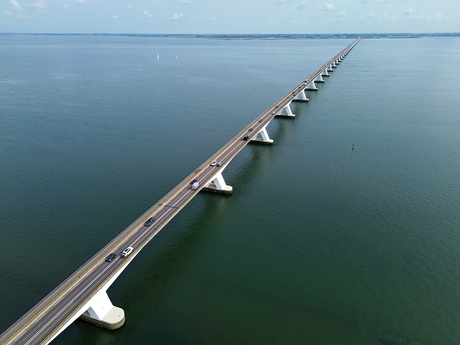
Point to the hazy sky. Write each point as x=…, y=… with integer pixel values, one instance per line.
x=229, y=16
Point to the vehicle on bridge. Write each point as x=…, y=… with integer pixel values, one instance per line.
x=110, y=257
x=195, y=185
x=126, y=252
x=149, y=221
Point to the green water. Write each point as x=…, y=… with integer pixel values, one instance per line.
x=318, y=244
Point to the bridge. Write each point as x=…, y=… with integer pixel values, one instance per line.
x=84, y=293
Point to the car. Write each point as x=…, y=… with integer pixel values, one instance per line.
x=220, y=164
x=213, y=163
x=250, y=129
x=110, y=257
x=193, y=181
x=126, y=252
x=149, y=221
x=246, y=137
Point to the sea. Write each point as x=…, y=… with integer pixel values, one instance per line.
x=319, y=243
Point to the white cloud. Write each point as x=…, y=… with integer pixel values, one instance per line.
x=377, y=1
x=114, y=16
x=408, y=12
x=65, y=6
x=177, y=16
x=41, y=5
x=8, y=13
x=329, y=7
x=301, y=5
x=388, y=18
x=81, y=2
x=434, y=16
x=15, y=5
x=148, y=15
x=186, y=2
x=342, y=13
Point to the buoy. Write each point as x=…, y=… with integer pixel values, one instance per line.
x=353, y=147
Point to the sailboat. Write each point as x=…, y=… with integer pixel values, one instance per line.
x=158, y=56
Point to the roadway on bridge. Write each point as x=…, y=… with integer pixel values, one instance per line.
x=43, y=321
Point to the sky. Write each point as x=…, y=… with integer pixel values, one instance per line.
x=229, y=16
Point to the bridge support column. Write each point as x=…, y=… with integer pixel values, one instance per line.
x=263, y=139
x=329, y=69
x=218, y=185
x=301, y=97
x=312, y=86
x=103, y=313
x=325, y=73
x=288, y=114
x=319, y=79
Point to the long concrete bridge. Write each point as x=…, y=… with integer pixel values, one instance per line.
x=84, y=293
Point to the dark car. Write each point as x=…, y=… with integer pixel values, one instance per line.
x=246, y=137
x=193, y=181
x=110, y=257
x=149, y=221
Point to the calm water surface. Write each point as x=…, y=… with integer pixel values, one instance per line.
x=318, y=244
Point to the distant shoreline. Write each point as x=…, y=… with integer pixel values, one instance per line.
x=254, y=36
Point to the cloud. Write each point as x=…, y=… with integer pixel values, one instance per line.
x=301, y=5
x=114, y=16
x=342, y=14
x=148, y=15
x=41, y=5
x=434, y=16
x=377, y=1
x=81, y=2
x=370, y=16
x=408, y=12
x=329, y=7
x=15, y=5
x=390, y=18
x=65, y=6
x=281, y=2
x=8, y=13
x=185, y=2
x=177, y=16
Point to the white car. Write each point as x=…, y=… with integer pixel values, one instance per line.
x=126, y=252
x=213, y=163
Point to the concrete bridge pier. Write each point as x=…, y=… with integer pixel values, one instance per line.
x=319, y=79
x=312, y=86
x=288, y=113
x=263, y=138
x=103, y=313
x=329, y=69
x=218, y=185
x=301, y=97
x=325, y=73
